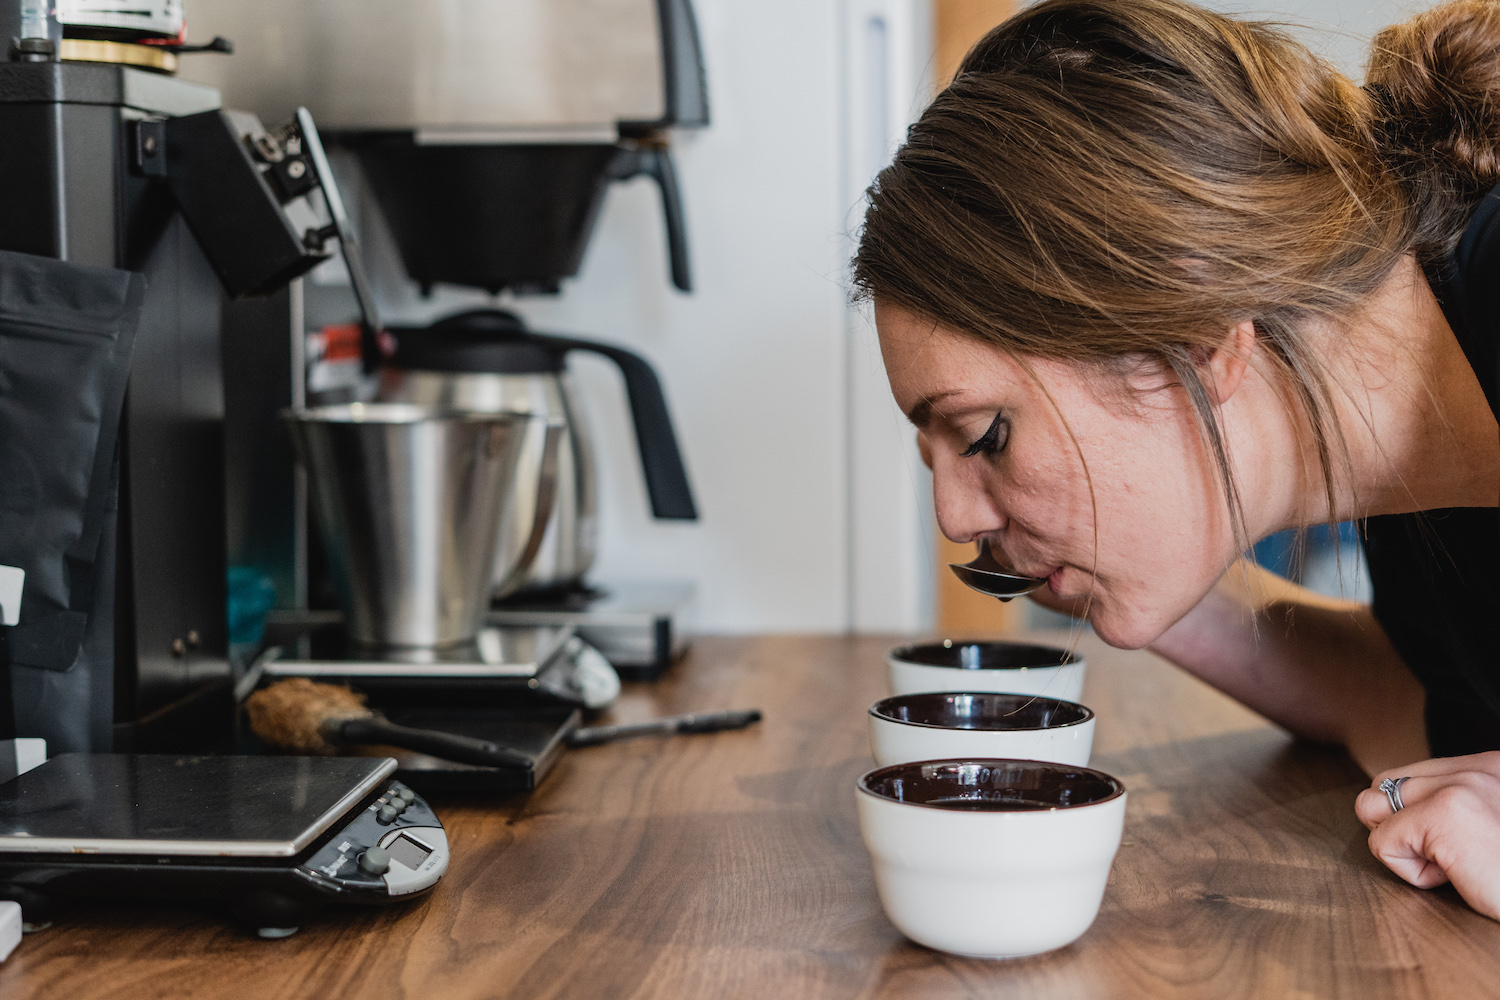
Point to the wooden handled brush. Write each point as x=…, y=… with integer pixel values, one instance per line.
x=306, y=717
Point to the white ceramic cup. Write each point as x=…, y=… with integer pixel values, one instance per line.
x=944, y=724
x=1009, y=667
x=991, y=858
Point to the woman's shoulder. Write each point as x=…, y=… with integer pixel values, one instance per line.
x=1467, y=286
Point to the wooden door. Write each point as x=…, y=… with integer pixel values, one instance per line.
x=957, y=25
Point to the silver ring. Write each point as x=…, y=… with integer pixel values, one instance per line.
x=1392, y=791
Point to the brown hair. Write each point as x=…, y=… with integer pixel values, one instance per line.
x=1107, y=180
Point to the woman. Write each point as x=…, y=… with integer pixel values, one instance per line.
x=1152, y=284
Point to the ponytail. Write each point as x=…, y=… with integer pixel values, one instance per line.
x=1435, y=81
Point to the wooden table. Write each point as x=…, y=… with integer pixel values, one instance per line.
x=731, y=866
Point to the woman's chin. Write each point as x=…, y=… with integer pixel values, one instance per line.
x=1124, y=631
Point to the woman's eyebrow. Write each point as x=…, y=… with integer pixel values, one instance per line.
x=921, y=414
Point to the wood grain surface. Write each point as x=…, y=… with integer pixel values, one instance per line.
x=730, y=865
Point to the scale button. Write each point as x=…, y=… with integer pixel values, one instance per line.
x=387, y=814
x=375, y=861
x=407, y=795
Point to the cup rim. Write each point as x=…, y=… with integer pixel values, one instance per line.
x=861, y=785
x=1058, y=656
x=876, y=712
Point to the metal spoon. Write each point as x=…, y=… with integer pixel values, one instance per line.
x=987, y=576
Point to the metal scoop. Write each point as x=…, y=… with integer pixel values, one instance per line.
x=987, y=576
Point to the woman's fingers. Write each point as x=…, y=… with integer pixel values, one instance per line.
x=1448, y=829
x=1400, y=847
x=1373, y=805
x=1451, y=834
x=1373, y=808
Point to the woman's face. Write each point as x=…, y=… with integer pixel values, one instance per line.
x=1005, y=468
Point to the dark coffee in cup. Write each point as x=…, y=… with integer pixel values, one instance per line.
x=994, y=785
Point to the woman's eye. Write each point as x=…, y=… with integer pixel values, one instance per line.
x=993, y=440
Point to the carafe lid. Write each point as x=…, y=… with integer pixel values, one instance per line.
x=493, y=341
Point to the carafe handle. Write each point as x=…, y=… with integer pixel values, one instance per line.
x=661, y=461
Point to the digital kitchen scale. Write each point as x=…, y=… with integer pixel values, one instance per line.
x=522, y=687
x=311, y=644
x=275, y=837
x=544, y=664
x=641, y=627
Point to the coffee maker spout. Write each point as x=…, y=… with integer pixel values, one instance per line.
x=652, y=157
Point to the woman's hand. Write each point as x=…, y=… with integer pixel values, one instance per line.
x=1448, y=829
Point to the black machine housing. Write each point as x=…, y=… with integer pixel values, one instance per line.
x=113, y=167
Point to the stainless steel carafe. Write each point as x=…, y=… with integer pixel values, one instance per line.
x=487, y=361
x=408, y=499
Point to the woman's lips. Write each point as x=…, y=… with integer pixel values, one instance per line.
x=1052, y=576
x=1054, y=581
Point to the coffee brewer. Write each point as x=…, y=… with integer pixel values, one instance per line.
x=486, y=135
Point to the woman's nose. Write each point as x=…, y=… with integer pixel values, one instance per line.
x=965, y=510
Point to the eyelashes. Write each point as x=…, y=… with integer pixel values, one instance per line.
x=993, y=440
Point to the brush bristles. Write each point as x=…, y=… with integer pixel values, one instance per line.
x=290, y=713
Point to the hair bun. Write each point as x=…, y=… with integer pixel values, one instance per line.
x=1436, y=80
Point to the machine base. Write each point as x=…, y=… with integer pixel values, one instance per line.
x=642, y=626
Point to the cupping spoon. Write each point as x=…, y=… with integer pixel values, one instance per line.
x=987, y=576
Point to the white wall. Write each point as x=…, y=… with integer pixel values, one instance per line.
x=814, y=517
x=891, y=525
x=752, y=359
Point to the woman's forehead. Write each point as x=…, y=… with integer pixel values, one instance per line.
x=928, y=361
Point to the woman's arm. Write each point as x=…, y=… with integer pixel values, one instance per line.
x=1322, y=668
x=1325, y=669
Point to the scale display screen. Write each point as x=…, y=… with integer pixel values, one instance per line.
x=408, y=852
x=178, y=805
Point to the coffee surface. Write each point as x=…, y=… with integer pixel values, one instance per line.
x=992, y=785
x=981, y=711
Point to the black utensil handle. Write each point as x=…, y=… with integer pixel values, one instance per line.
x=449, y=746
x=713, y=722
x=708, y=722
x=661, y=461
x=592, y=736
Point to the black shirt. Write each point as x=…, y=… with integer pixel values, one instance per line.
x=1435, y=572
